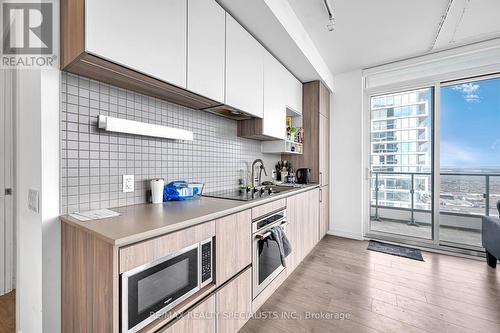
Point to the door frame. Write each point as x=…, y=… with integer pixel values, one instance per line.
x=368, y=94
x=436, y=84
x=8, y=231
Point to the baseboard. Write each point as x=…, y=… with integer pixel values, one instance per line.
x=345, y=234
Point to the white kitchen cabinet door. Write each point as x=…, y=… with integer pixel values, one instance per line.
x=147, y=36
x=297, y=94
x=293, y=97
x=206, y=49
x=244, y=70
x=274, y=123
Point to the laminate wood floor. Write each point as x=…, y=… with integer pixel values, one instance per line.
x=8, y=313
x=355, y=290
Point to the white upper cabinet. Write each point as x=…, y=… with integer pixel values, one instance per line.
x=206, y=49
x=275, y=74
x=293, y=93
x=244, y=70
x=149, y=37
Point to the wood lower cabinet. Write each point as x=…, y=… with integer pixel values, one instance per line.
x=233, y=239
x=324, y=202
x=234, y=303
x=303, y=226
x=200, y=319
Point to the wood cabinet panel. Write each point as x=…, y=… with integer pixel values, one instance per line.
x=303, y=226
x=201, y=319
x=324, y=211
x=206, y=48
x=150, y=38
x=233, y=245
x=244, y=69
x=89, y=281
x=324, y=150
x=316, y=100
x=324, y=101
x=234, y=303
x=265, y=209
x=141, y=253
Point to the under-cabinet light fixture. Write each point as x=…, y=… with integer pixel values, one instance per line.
x=112, y=124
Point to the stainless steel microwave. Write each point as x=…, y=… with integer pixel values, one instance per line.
x=150, y=290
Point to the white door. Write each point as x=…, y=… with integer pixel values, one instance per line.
x=6, y=222
x=147, y=36
x=274, y=123
x=206, y=49
x=244, y=69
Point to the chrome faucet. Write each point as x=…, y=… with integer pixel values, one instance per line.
x=262, y=168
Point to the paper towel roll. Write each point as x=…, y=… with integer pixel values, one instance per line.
x=157, y=190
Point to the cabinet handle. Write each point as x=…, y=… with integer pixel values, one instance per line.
x=320, y=195
x=321, y=179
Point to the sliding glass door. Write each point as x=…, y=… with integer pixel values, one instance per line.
x=401, y=163
x=469, y=159
x=403, y=137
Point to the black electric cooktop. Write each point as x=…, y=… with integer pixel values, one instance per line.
x=240, y=194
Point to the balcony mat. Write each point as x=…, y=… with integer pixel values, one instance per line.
x=395, y=250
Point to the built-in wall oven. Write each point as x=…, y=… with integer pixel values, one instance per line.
x=266, y=254
x=152, y=289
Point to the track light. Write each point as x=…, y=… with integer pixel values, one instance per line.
x=331, y=25
x=331, y=18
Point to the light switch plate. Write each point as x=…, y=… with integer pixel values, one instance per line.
x=128, y=183
x=33, y=200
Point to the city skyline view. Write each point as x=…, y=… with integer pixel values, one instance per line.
x=402, y=159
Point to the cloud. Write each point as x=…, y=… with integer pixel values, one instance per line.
x=454, y=155
x=469, y=91
x=495, y=144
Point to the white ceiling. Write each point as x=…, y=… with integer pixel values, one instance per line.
x=369, y=33
x=469, y=21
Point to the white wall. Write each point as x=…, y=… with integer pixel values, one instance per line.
x=347, y=177
x=37, y=163
x=29, y=226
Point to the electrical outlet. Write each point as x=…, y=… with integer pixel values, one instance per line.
x=128, y=183
x=33, y=200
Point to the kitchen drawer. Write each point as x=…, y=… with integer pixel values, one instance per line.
x=234, y=303
x=141, y=253
x=201, y=319
x=268, y=208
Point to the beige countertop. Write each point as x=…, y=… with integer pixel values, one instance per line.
x=139, y=222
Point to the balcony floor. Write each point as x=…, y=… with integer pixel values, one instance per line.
x=448, y=234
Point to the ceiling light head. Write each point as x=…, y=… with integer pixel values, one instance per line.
x=331, y=18
x=331, y=25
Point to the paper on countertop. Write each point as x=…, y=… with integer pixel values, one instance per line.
x=94, y=214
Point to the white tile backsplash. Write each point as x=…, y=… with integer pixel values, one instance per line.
x=93, y=161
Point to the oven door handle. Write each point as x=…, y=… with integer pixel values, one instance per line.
x=265, y=235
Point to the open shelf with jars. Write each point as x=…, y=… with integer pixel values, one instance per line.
x=293, y=144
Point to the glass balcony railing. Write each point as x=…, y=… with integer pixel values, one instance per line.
x=404, y=199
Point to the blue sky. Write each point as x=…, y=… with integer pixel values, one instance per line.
x=470, y=125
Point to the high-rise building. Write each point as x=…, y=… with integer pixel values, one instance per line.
x=401, y=148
